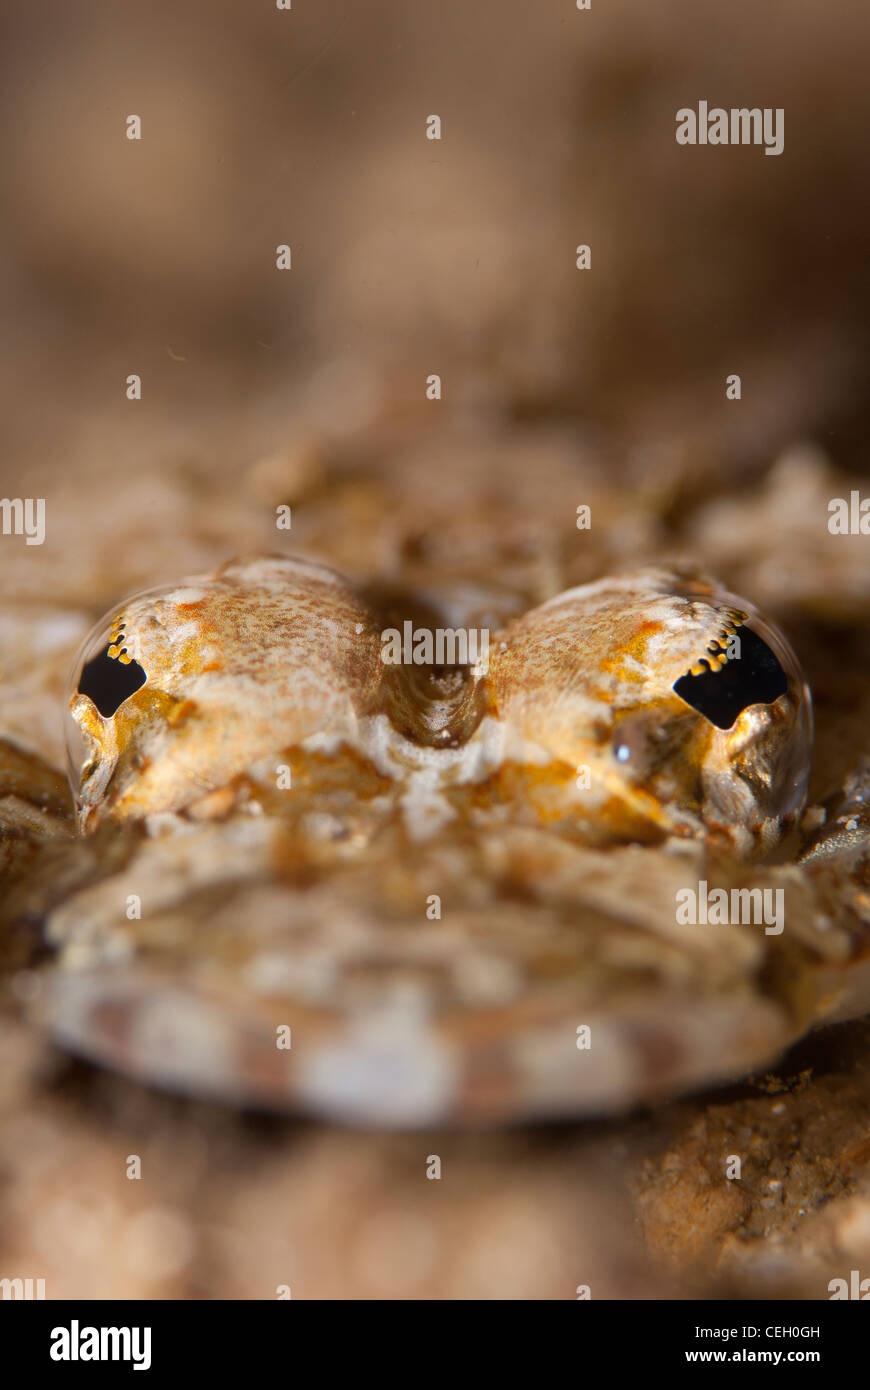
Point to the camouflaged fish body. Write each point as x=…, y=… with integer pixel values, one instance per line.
x=436, y=880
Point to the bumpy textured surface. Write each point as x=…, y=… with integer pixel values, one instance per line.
x=313, y=914
x=560, y=389
x=434, y=912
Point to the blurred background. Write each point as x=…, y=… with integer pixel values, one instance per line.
x=410, y=257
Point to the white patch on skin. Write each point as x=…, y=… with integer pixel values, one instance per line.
x=326, y=741
x=308, y=975
x=182, y=632
x=82, y=956
x=424, y=806
x=387, y=1067
x=484, y=752
x=393, y=755
x=554, y=1073
x=177, y=1038
x=188, y=595
x=323, y=825
x=486, y=981
x=70, y=1002
x=173, y=1038
x=427, y=772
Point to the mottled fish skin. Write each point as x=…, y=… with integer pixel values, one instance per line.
x=590, y=675
x=311, y=906
x=260, y=656
x=271, y=654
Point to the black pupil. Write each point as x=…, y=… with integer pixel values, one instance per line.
x=753, y=678
x=109, y=682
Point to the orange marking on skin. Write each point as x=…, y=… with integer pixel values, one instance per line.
x=635, y=647
x=181, y=712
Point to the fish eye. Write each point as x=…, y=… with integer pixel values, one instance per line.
x=105, y=671
x=727, y=682
x=108, y=679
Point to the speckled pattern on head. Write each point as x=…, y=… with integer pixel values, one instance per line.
x=239, y=665
x=434, y=901
x=271, y=654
